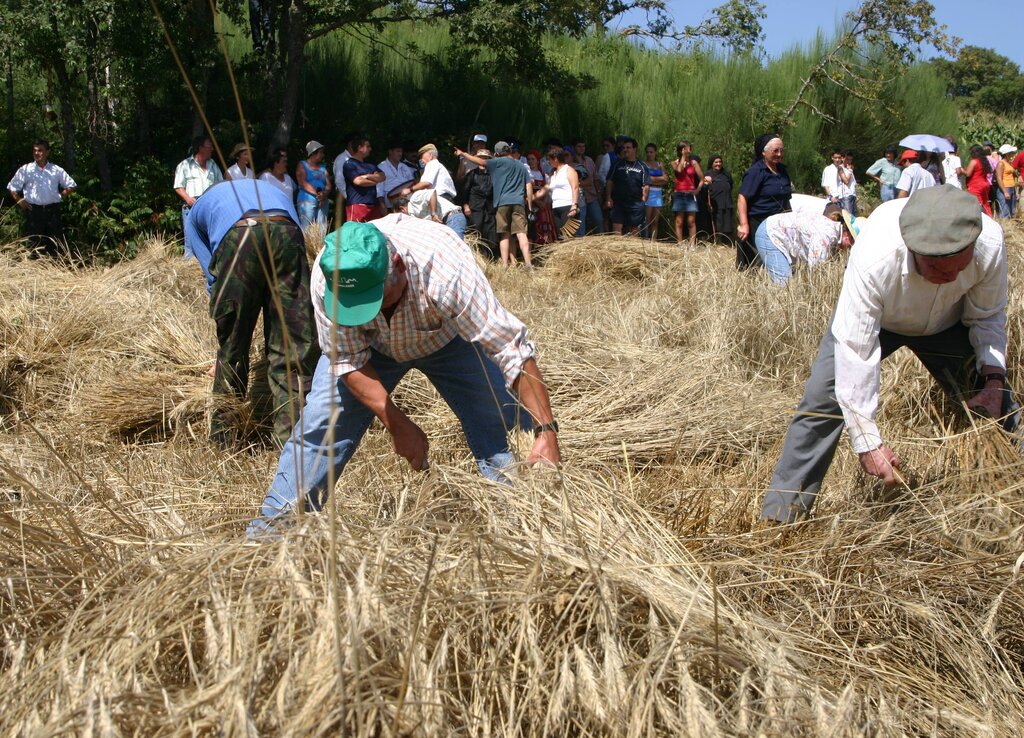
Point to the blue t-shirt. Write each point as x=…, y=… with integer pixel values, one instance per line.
x=508, y=180
x=767, y=192
x=223, y=205
x=356, y=194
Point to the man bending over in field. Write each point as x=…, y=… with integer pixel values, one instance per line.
x=393, y=295
x=929, y=273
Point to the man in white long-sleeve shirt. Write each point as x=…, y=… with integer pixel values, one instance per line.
x=929, y=273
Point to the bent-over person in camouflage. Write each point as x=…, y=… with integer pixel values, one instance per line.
x=247, y=239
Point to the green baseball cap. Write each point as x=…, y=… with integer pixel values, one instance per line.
x=355, y=265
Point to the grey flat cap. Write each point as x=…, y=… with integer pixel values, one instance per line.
x=940, y=221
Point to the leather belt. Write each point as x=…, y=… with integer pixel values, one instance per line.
x=259, y=219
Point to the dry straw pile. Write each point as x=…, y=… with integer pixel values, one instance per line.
x=624, y=597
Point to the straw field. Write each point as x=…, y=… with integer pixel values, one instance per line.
x=628, y=595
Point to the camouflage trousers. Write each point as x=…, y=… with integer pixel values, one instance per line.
x=263, y=268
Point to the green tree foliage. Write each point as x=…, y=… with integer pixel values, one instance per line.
x=980, y=79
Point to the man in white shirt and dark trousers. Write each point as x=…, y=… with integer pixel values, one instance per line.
x=38, y=188
x=929, y=273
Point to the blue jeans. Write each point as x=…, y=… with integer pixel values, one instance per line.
x=189, y=253
x=310, y=212
x=333, y=422
x=848, y=203
x=456, y=220
x=776, y=263
x=887, y=192
x=1007, y=207
x=591, y=218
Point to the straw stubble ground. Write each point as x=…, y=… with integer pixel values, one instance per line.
x=624, y=596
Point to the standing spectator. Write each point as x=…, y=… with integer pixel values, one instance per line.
x=993, y=161
x=314, y=186
x=479, y=206
x=927, y=161
x=1018, y=164
x=604, y=166
x=886, y=172
x=361, y=180
x=278, y=176
x=849, y=201
x=836, y=180
x=718, y=183
x=765, y=190
x=397, y=176
x=411, y=158
x=952, y=167
x=242, y=168
x=1006, y=182
x=688, y=180
x=978, y=174
x=543, y=217
x=338, y=169
x=38, y=188
x=591, y=217
x=656, y=196
x=629, y=185
x=513, y=198
x=478, y=142
x=564, y=187
x=249, y=245
x=434, y=176
x=193, y=176
x=914, y=177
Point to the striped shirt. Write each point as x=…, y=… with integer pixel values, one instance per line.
x=448, y=296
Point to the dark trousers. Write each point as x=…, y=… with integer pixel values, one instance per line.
x=746, y=250
x=817, y=427
x=43, y=228
x=482, y=221
x=263, y=269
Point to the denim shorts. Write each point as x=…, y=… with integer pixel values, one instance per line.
x=684, y=202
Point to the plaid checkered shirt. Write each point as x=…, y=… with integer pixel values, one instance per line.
x=448, y=296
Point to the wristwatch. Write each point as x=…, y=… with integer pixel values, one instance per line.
x=538, y=429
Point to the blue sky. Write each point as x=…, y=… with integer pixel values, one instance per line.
x=994, y=25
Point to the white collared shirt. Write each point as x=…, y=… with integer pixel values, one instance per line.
x=194, y=179
x=882, y=289
x=41, y=185
x=439, y=178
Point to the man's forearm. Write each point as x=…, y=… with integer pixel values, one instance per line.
x=533, y=393
x=364, y=383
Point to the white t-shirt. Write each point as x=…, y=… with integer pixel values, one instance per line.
x=288, y=186
x=949, y=166
x=439, y=178
x=915, y=177
x=834, y=184
x=235, y=172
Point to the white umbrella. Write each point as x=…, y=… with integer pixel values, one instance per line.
x=926, y=142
